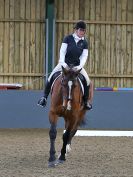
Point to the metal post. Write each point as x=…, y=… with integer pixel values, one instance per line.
x=50, y=34
x=53, y=53
x=46, y=48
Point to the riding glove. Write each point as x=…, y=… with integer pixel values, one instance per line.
x=77, y=68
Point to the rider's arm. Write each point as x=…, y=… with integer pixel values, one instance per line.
x=63, y=50
x=83, y=57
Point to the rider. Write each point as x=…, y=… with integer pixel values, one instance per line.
x=73, y=51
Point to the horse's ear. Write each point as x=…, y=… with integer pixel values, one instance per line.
x=79, y=70
x=63, y=70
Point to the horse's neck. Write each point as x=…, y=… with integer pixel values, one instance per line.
x=56, y=95
x=57, y=85
x=76, y=92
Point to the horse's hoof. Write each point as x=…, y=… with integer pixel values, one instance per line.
x=58, y=162
x=52, y=164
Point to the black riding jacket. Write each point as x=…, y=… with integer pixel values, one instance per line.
x=74, y=50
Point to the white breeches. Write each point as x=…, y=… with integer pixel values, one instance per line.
x=83, y=72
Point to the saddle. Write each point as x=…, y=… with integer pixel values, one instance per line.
x=81, y=79
x=82, y=82
x=54, y=78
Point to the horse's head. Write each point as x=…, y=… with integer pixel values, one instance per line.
x=69, y=80
x=69, y=74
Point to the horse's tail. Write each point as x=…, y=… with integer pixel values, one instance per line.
x=83, y=123
x=84, y=120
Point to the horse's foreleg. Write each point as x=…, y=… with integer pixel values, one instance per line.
x=65, y=141
x=71, y=136
x=68, y=147
x=52, y=135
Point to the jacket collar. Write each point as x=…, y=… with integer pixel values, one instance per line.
x=77, y=38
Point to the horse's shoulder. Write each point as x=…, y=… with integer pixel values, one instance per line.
x=56, y=82
x=58, y=79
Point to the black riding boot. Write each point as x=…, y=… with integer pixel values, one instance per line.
x=43, y=101
x=87, y=105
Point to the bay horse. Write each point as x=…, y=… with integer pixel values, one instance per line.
x=66, y=102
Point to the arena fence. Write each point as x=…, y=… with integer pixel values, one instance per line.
x=109, y=32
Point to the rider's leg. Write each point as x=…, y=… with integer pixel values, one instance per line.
x=87, y=90
x=43, y=101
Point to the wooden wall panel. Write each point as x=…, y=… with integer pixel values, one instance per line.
x=110, y=35
x=22, y=42
x=6, y=40
x=1, y=39
x=11, y=42
x=109, y=32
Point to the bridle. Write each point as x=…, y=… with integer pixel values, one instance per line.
x=68, y=82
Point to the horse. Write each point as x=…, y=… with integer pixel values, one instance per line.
x=66, y=102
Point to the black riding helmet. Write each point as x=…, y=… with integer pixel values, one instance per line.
x=81, y=24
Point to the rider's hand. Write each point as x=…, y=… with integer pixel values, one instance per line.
x=77, y=68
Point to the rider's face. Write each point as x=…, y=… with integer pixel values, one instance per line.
x=80, y=32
